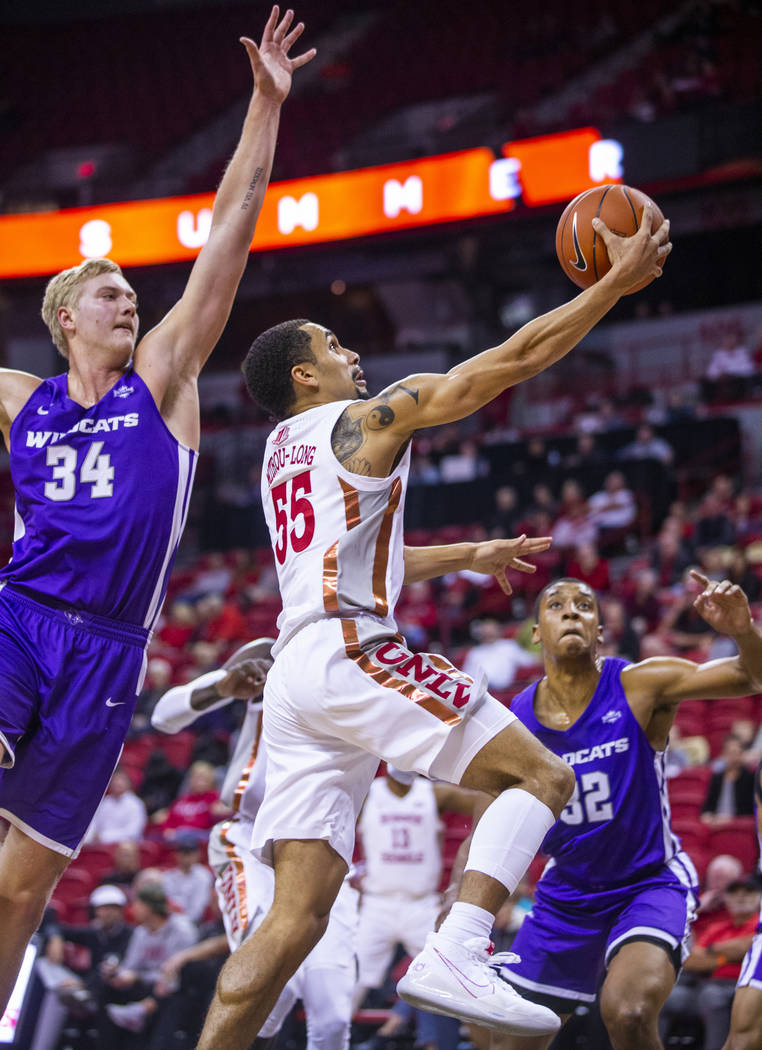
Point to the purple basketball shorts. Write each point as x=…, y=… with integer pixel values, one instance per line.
x=68, y=686
x=570, y=937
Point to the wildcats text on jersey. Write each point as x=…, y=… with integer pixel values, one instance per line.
x=40, y=438
x=597, y=751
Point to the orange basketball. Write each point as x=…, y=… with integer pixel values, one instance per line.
x=580, y=249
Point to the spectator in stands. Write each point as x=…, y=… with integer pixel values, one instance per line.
x=710, y=972
x=679, y=408
x=648, y=446
x=505, y=517
x=619, y=638
x=126, y=866
x=712, y=527
x=179, y=625
x=135, y=988
x=746, y=519
x=642, y=603
x=160, y=784
x=543, y=502
x=498, y=657
x=467, y=464
x=189, y=884
x=158, y=679
x=106, y=937
x=573, y=525
x=221, y=620
x=731, y=790
x=585, y=456
x=683, y=751
x=730, y=370
x=672, y=554
x=682, y=626
x=418, y=615
x=740, y=572
x=199, y=807
x=613, y=509
x=121, y=815
x=587, y=565
x=721, y=871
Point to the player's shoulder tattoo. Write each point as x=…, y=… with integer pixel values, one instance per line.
x=358, y=421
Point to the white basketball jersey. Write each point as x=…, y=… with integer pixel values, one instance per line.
x=401, y=839
x=337, y=536
x=244, y=786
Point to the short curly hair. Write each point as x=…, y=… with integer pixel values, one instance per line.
x=267, y=366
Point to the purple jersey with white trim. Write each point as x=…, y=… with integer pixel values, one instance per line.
x=101, y=499
x=616, y=827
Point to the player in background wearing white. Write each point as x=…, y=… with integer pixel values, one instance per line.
x=344, y=690
x=326, y=979
x=51, y=713
x=401, y=833
x=746, y=1015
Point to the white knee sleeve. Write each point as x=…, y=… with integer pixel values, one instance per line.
x=508, y=835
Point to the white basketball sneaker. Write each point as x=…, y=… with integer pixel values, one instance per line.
x=457, y=980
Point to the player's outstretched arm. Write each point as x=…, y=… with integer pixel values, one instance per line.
x=242, y=677
x=662, y=682
x=491, y=557
x=428, y=400
x=182, y=342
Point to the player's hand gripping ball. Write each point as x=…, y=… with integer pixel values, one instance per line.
x=580, y=249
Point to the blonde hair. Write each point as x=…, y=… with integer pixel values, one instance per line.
x=64, y=290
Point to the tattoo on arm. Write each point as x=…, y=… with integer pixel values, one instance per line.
x=252, y=186
x=400, y=386
x=358, y=465
x=346, y=438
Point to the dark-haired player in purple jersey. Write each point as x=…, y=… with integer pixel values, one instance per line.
x=102, y=460
x=617, y=897
x=746, y=1016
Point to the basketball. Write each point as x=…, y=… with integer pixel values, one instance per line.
x=580, y=249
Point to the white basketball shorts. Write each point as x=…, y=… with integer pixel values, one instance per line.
x=335, y=704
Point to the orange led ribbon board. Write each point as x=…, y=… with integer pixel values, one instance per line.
x=320, y=209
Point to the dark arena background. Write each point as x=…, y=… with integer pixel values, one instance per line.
x=423, y=161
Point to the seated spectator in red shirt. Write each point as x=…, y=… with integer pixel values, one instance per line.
x=587, y=565
x=179, y=625
x=221, y=620
x=199, y=807
x=721, y=871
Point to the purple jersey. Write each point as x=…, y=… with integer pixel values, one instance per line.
x=101, y=499
x=616, y=827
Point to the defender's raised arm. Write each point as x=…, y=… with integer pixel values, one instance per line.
x=180, y=344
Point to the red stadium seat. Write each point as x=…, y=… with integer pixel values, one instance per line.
x=72, y=889
x=738, y=838
x=96, y=860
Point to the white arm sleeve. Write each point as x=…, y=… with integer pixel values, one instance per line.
x=173, y=712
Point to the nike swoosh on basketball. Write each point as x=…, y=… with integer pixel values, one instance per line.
x=461, y=978
x=110, y=703
x=580, y=263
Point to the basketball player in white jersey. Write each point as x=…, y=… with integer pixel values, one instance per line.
x=326, y=979
x=344, y=690
x=400, y=829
